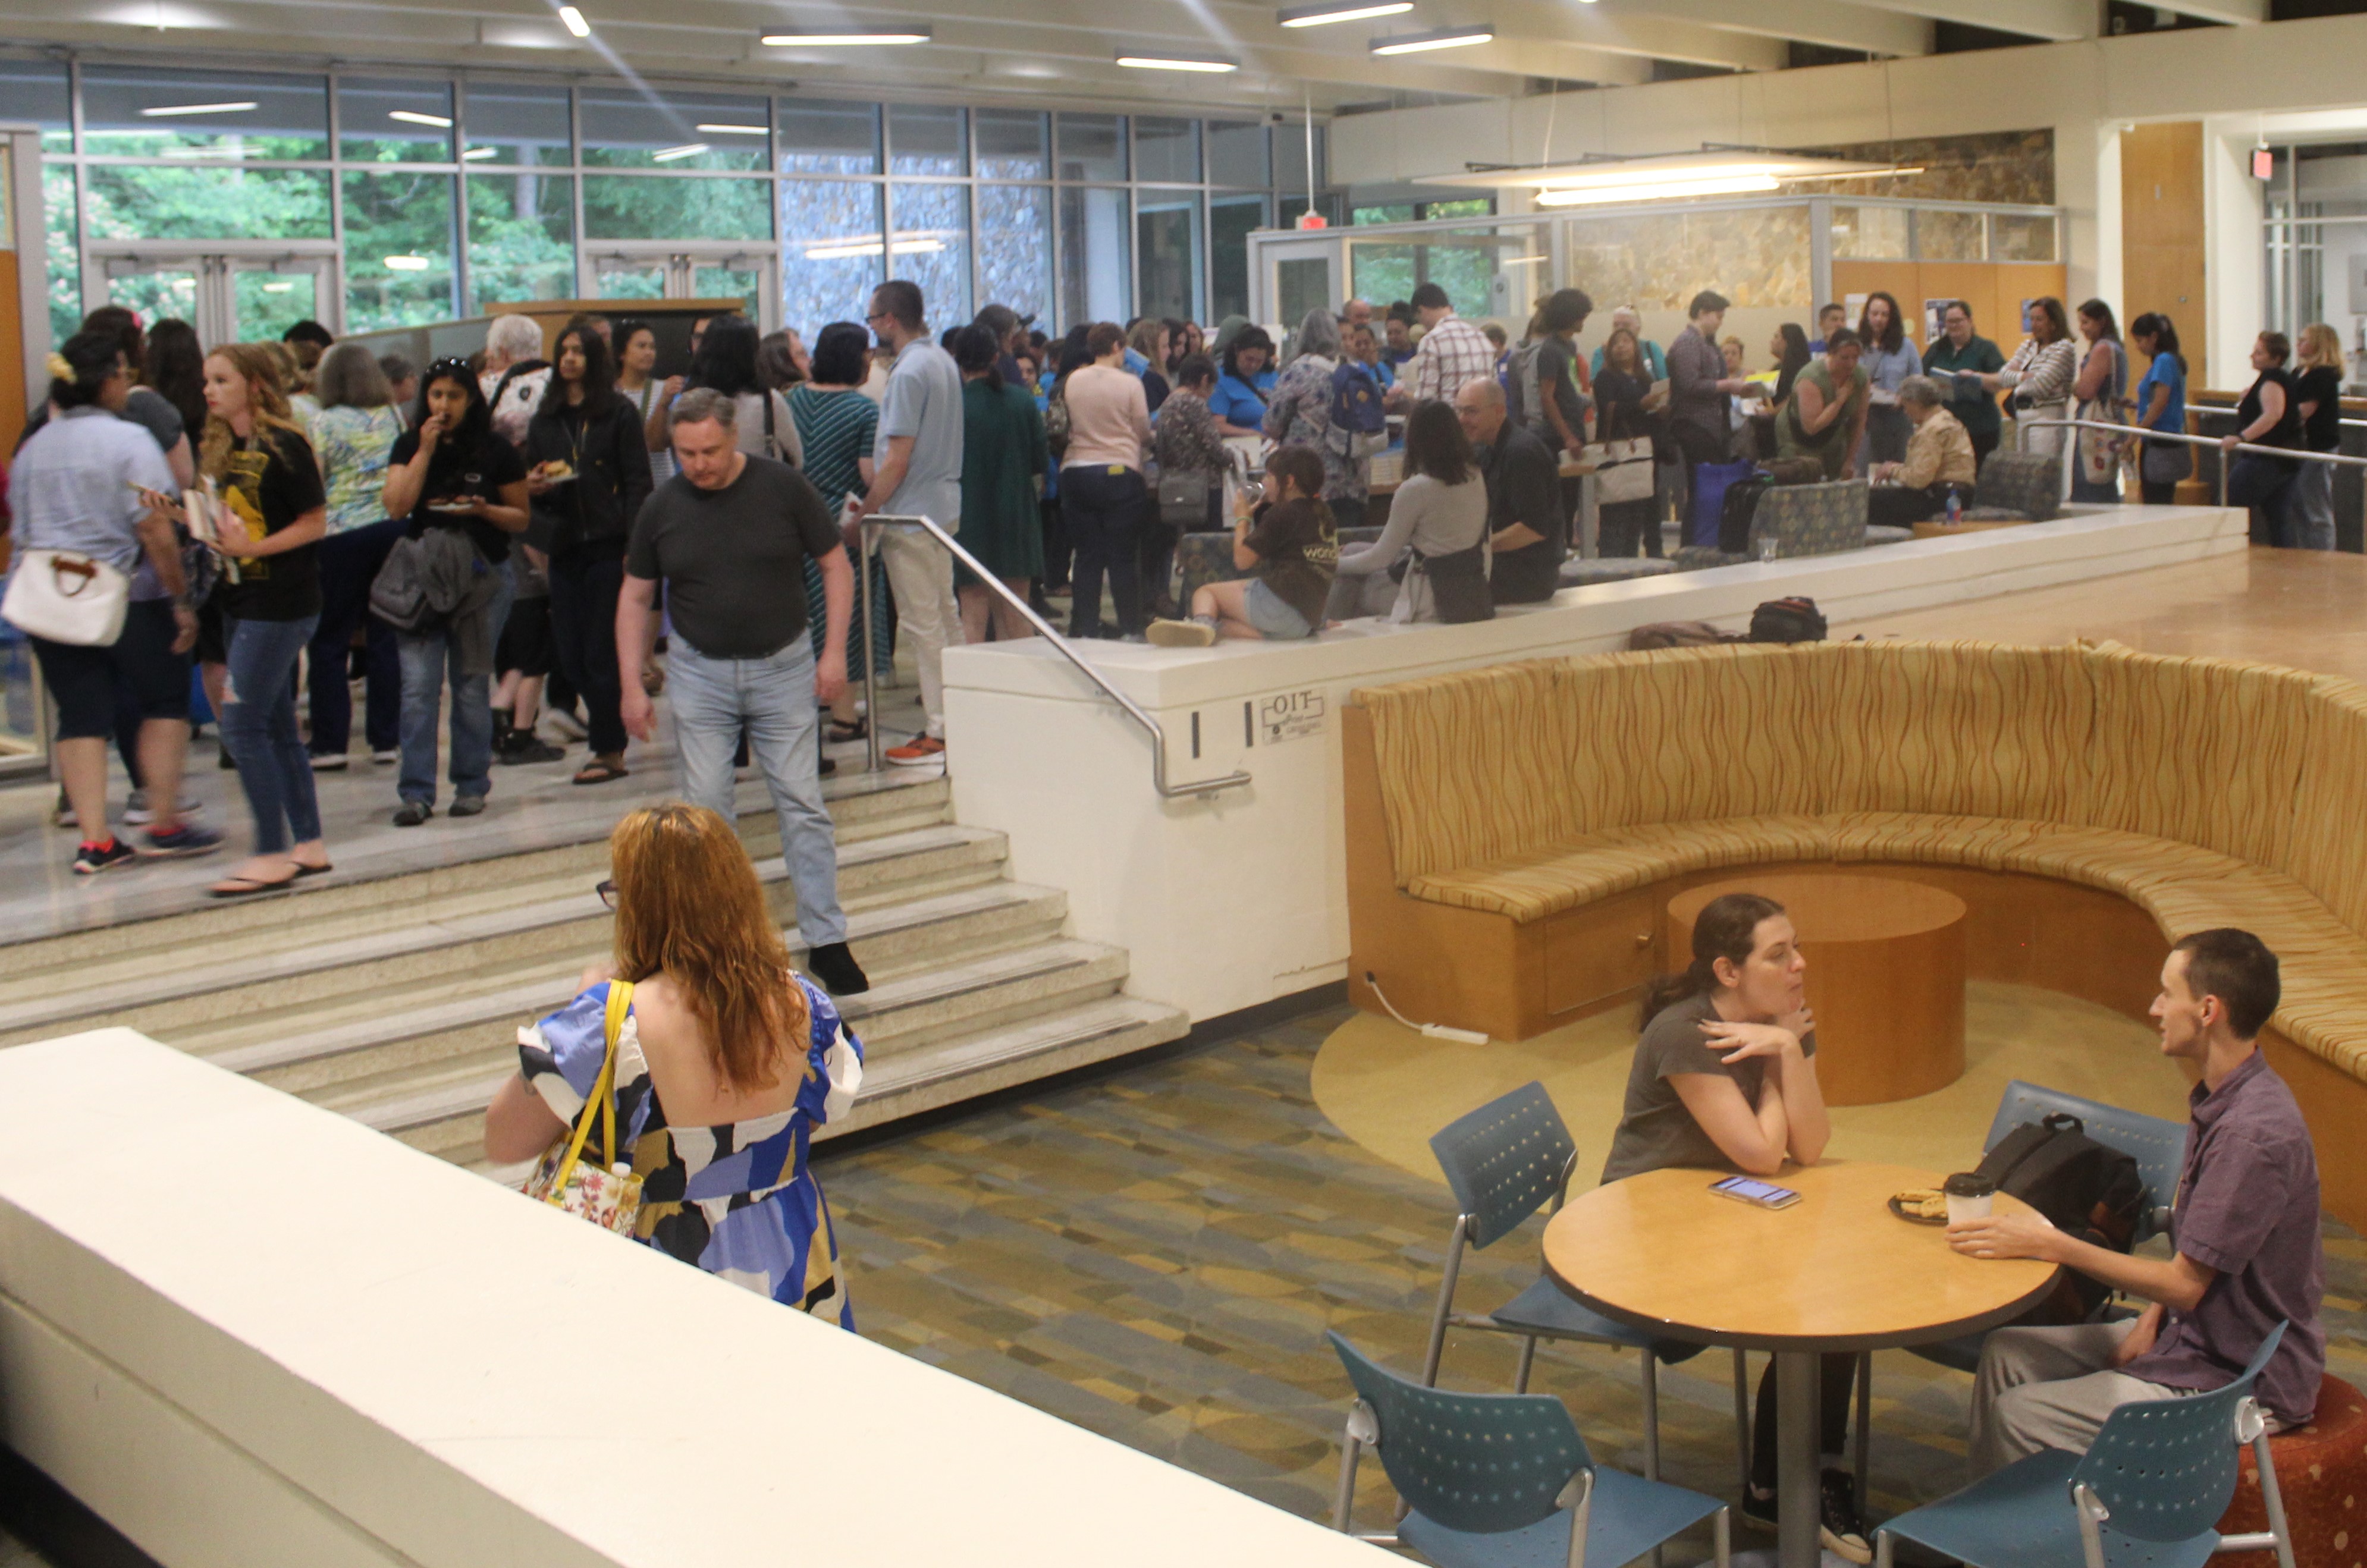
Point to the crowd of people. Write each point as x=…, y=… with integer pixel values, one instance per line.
x=497, y=548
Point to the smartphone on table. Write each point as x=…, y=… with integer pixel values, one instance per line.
x=1751, y=1189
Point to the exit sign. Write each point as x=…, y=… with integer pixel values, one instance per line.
x=2264, y=163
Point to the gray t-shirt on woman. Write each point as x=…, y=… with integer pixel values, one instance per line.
x=1655, y=1130
x=1434, y=518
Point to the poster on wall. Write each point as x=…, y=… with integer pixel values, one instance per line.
x=1855, y=305
x=2026, y=304
x=1935, y=312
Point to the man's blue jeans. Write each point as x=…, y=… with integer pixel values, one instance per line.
x=773, y=699
x=427, y=661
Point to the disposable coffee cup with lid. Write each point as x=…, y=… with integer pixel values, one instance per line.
x=1970, y=1196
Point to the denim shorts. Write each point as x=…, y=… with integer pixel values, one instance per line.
x=1275, y=621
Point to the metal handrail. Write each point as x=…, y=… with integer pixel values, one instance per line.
x=2024, y=427
x=1202, y=788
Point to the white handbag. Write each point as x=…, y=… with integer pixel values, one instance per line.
x=1623, y=469
x=67, y=597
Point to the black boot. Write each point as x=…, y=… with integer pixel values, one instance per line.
x=835, y=967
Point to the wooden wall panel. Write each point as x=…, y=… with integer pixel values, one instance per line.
x=2162, y=230
x=1994, y=290
x=12, y=350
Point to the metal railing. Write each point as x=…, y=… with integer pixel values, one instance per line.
x=1201, y=788
x=2024, y=427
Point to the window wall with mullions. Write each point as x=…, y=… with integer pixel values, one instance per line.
x=444, y=194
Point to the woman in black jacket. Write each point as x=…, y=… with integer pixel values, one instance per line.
x=589, y=472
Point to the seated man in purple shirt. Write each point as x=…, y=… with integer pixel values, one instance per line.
x=2245, y=1227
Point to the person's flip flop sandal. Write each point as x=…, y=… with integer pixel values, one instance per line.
x=597, y=772
x=304, y=871
x=246, y=887
x=840, y=734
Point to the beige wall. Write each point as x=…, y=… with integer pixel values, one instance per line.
x=2086, y=91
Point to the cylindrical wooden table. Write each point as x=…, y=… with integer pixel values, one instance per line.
x=1835, y=1272
x=1885, y=976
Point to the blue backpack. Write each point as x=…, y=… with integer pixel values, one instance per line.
x=1360, y=425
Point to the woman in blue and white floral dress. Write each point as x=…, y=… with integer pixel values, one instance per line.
x=726, y=1062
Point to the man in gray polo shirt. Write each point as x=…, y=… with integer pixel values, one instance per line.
x=2245, y=1227
x=916, y=470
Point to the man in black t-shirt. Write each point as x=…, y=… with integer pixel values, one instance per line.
x=729, y=535
x=1526, y=525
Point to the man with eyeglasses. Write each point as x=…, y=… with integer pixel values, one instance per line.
x=916, y=471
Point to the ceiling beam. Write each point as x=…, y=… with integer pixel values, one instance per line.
x=1835, y=24
x=2059, y=21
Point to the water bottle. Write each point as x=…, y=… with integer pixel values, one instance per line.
x=1955, y=508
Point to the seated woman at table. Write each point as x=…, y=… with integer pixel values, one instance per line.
x=1939, y=459
x=1724, y=1079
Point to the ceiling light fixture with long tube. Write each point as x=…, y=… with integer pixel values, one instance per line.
x=412, y=117
x=880, y=37
x=1656, y=190
x=573, y=20
x=736, y=130
x=1341, y=11
x=671, y=154
x=1444, y=37
x=163, y=111
x=1213, y=64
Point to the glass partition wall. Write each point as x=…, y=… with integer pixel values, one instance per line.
x=248, y=200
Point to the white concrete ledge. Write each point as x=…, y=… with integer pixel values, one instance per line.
x=250, y=1332
x=1235, y=899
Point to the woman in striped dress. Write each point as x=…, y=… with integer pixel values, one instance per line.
x=836, y=423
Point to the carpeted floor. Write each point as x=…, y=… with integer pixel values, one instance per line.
x=1155, y=1255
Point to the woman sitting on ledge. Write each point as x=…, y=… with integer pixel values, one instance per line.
x=726, y=1062
x=1288, y=546
x=1440, y=510
x=1939, y=459
x=1725, y=1078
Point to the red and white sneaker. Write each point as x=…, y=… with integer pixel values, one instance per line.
x=919, y=750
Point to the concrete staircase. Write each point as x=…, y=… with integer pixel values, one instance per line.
x=397, y=1001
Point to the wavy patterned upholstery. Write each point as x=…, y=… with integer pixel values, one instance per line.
x=2208, y=792
x=1811, y=520
x=2018, y=487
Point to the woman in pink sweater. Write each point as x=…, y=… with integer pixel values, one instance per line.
x=1104, y=500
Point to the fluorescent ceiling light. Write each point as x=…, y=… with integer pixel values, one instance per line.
x=1709, y=164
x=164, y=110
x=736, y=130
x=279, y=289
x=574, y=21
x=850, y=40
x=1445, y=37
x=1589, y=196
x=1177, y=63
x=442, y=123
x=406, y=264
x=232, y=150
x=868, y=245
x=475, y=152
x=1341, y=11
x=669, y=154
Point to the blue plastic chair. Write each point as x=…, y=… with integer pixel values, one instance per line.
x=2148, y=1495
x=1505, y=1161
x=1504, y=1480
x=2157, y=1147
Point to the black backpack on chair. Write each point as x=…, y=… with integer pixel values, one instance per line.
x=2083, y=1188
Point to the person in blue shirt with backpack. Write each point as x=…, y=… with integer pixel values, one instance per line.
x=1329, y=402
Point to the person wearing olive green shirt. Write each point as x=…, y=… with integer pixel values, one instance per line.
x=1966, y=366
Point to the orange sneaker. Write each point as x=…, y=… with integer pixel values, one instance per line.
x=919, y=750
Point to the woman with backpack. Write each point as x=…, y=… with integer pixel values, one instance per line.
x=1300, y=411
x=1724, y=1079
x=1437, y=521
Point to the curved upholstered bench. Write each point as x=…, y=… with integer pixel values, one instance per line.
x=1514, y=832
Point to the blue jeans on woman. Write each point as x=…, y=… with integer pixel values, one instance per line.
x=428, y=660
x=258, y=724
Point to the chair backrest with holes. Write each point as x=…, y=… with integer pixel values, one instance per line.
x=2157, y=1147
x=1505, y=1160
x=1486, y=1462
x=2166, y=1469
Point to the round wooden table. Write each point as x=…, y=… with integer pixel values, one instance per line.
x=1837, y=1271
x=1886, y=975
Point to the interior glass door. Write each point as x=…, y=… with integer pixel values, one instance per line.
x=267, y=298
x=726, y=282
x=628, y=278
x=157, y=291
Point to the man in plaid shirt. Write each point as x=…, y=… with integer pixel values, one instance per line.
x=1453, y=354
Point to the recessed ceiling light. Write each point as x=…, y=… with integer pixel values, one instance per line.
x=736, y=130
x=406, y=264
x=1445, y=37
x=1178, y=62
x=1341, y=11
x=442, y=123
x=163, y=110
x=574, y=21
x=669, y=154
x=850, y=40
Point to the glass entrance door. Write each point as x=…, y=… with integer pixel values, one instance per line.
x=662, y=270
x=228, y=298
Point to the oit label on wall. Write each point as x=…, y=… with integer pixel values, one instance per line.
x=1290, y=716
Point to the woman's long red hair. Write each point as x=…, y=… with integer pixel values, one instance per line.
x=689, y=907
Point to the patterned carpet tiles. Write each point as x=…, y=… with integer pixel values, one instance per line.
x=1155, y=1255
